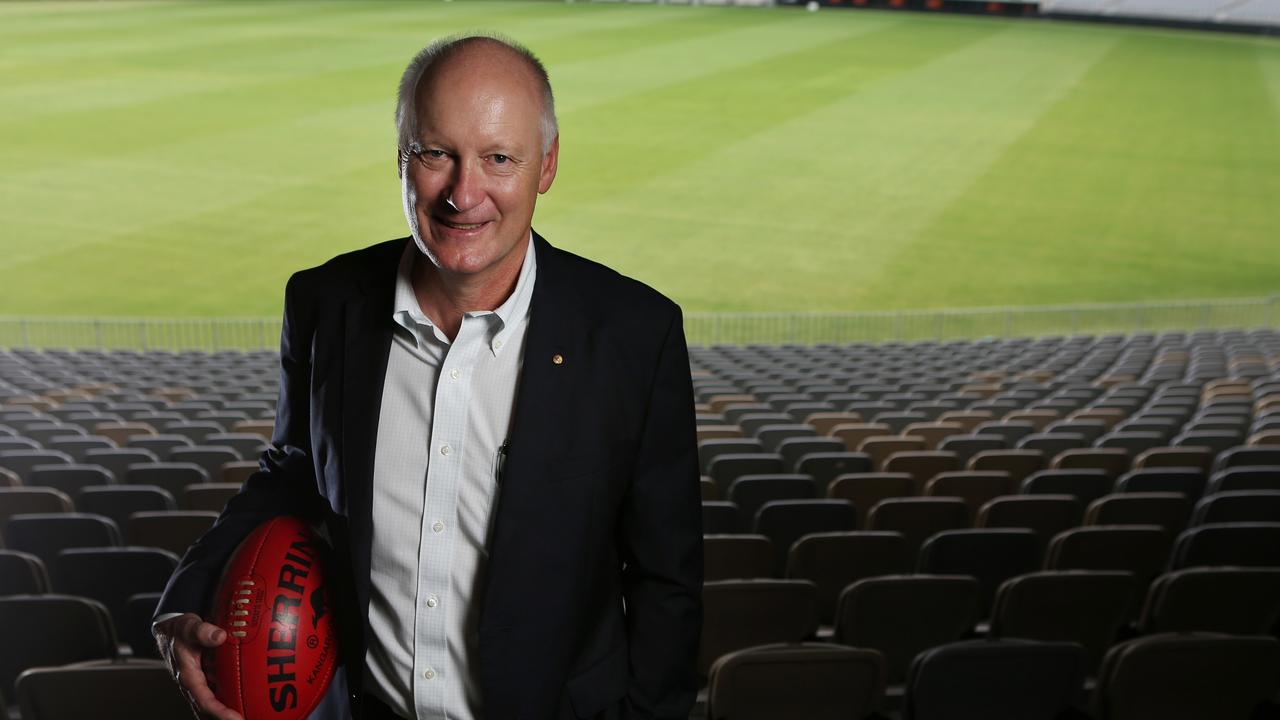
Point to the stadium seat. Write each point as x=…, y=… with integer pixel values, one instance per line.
x=1236, y=601
x=112, y=575
x=825, y=467
x=881, y=447
x=708, y=450
x=921, y=465
x=1012, y=432
x=753, y=423
x=139, y=610
x=1018, y=463
x=985, y=679
x=77, y=446
x=720, y=517
x=69, y=478
x=736, y=557
x=793, y=450
x=903, y=615
x=118, y=502
x=853, y=434
x=1192, y=457
x=160, y=445
x=84, y=690
x=1084, y=607
x=833, y=561
x=771, y=436
x=825, y=422
x=1214, y=441
x=25, y=500
x=1238, y=506
x=1245, y=477
x=45, y=432
x=809, y=680
x=172, y=477
x=967, y=446
x=1051, y=444
x=1113, y=461
x=974, y=487
x=989, y=555
x=49, y=630
x=213, y=497
x=122, y=432
x=9, y=443
x=1045, y=515
x=739, y=614
x=751, y=492
x=726, y=468
x=1169, y=510
x=933, y=432
x=20, y=462
x=210, y=457
x=1142, y=550
x=786, y=521
x=864, y=490
x=22, y=574
x=172, y=530
x=918, y=519
x=1187, y=677
x=44, y=534
x=118, y=460
x=1239, y=544
x=1084, y=485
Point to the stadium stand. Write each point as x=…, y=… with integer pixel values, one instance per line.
x=1137, y=474
x=1240, y=12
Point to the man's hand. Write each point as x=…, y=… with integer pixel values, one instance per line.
x=184, y=642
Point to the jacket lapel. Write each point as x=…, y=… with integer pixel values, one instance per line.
x=368, y=326
x=553, y=332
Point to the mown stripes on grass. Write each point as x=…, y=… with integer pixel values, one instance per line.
x=170, y=158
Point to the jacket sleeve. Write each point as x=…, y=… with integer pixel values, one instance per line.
x=661, y=540
x=285, y=481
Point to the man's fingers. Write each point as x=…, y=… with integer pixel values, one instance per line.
x=210, y=635
x=185, y=641
x=192, y=680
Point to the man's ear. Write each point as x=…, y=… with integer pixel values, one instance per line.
x=550, y=161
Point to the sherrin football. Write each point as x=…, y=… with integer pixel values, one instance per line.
x=274, y=603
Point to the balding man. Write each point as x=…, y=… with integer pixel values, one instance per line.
x=496, y=435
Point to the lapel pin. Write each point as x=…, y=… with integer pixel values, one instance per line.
x=558, y=359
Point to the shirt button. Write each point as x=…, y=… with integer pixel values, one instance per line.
x=429, y=674
x=454, y=374
x=497, y=344
x=437, y=526
x=445, y=449
x=432, y=601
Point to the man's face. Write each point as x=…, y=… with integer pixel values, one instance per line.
x=470, y=192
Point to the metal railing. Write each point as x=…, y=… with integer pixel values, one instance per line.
x=705, y=328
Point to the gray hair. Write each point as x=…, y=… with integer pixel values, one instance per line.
x=406, y=105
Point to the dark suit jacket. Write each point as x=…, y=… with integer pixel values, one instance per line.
x=594, y=577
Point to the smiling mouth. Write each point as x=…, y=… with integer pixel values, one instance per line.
x=461, y=226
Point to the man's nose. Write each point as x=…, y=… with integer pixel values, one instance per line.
x=467, y=189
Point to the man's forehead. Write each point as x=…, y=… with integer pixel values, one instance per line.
x=483, y=60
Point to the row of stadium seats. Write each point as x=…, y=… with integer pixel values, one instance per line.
x=1020, y=470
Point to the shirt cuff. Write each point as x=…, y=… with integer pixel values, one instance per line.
x=162, y=618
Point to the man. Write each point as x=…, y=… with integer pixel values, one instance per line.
x=497, y=437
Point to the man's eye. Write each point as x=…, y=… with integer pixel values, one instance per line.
x=500, y=159
x=435, y=153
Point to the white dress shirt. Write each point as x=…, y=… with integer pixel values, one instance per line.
x=446, y=411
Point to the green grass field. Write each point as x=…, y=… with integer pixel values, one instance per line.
x=175, y=159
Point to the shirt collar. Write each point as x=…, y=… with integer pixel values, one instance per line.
x=506, y=317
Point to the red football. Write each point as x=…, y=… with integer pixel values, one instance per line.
x=282, y=643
